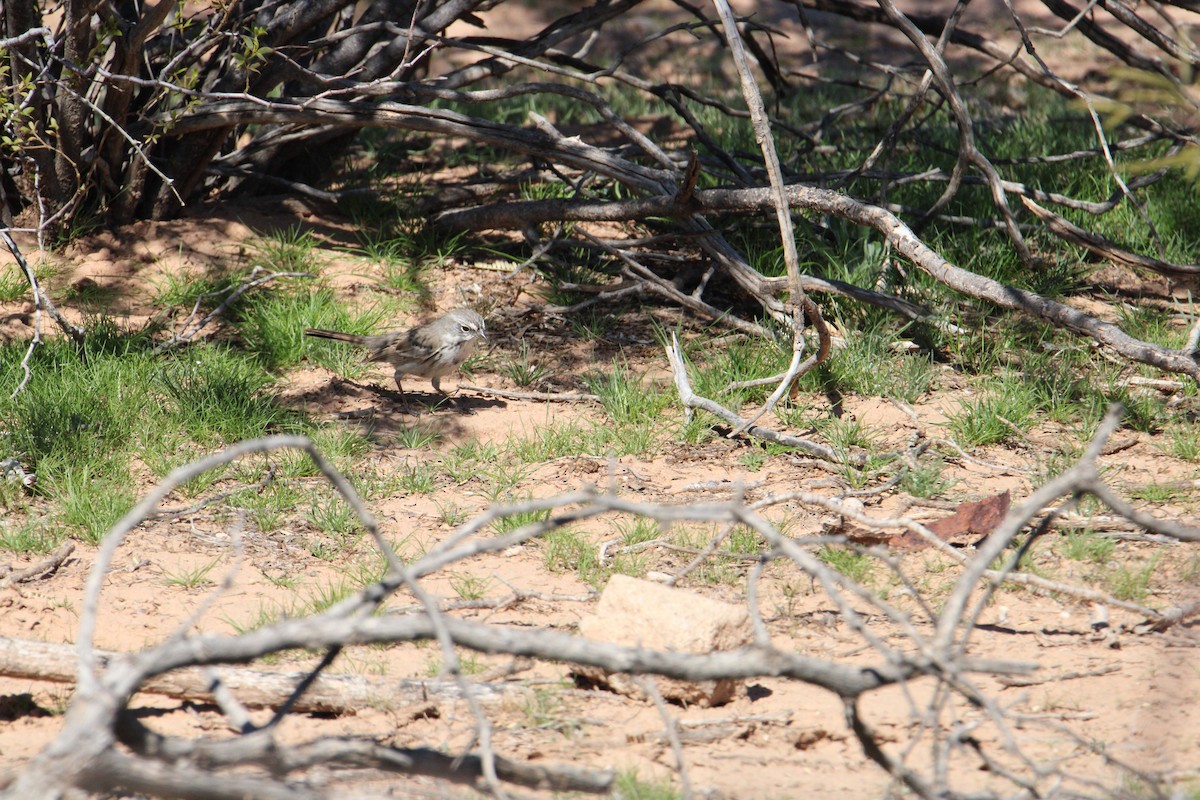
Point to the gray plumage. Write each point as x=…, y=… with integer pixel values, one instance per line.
x=427, y=351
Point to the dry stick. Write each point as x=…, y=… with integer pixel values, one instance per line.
x=262, y=750
x=671, y=730
x=99, y=696
x=88, y=730
x=344, y=624
x=962, y=118
x=701, y=554
x=1027, y=67
x=332, y=693
x=870, y=745
x=43, y=569
x=41, y=300
x=1071, y=481
x=888, y=143
x=653, y=283
x=692, y=400
x=561, y=397
x=1025, y=579
x=1101, y=134
x=601, y=296
x=252, y=281
x=898, y=235
x=1105, y=247
x=783, y=215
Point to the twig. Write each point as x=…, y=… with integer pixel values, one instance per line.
x=255, y=279
x=671, y=731
x=692, y=400
x=563, y=397
x=43, y=569
x=41, y=300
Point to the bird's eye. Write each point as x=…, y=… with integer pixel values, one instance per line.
x=466, y=328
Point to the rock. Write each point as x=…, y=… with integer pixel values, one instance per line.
x=638, y=613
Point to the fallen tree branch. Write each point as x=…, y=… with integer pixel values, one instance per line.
x=44, y=568
x=1105, y=247
x=330, y=693
x=898, y=235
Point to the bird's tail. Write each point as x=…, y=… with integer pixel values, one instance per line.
x=337, y=336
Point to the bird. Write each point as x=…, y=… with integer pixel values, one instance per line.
x=432, y=350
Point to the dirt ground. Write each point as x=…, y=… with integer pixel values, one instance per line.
x=1135, y=693
x=1102, y=696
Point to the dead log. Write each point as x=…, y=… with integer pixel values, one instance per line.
x=339, y=694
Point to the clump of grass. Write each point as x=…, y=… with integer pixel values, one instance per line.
x=217, y=396
x=1132, y=584
x=469, y=587
x=554, y=440
x=334, y=516
x=995, y=417
x=1087, y=545
x=545, y=709
x=29, y=536
x=272, y=326
x=925, y=479
x=286, y=250
x=13, y=285
x=635, y=409
x=566, y=550
x=631, y=787
x=868, y=365
x=522, y=370
x=92, y=499
x=854, y=565
x=510, y=522
x=210, y=287
x=191, y=578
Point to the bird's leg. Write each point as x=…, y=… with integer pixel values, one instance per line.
x=399, y=388
x=437, y=384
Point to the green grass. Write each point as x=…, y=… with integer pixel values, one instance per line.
x=272, y=328
x=28, y=536
x=469, y=587
x=856, y=566
x=636, y=411
x=631, y=787
x=1087, y=546
x=91, y=499
x=13, y=285
x=210, y=287
x=996, y=417
x=1184, y=441
x=568, y=550
x=510, y=522
x=1132, y=583
x=925, y=479
x=219, y=396
x=289, y=249
x=522, y=370
x=869, y=366
x=195, y=578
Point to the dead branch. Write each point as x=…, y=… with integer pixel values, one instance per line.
x=330, y=693
x=1105, y=247
x=692, y=400
x=553, y=397
x=44, y=568
x=898, y=235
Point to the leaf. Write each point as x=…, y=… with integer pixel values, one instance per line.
x=970, y=522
